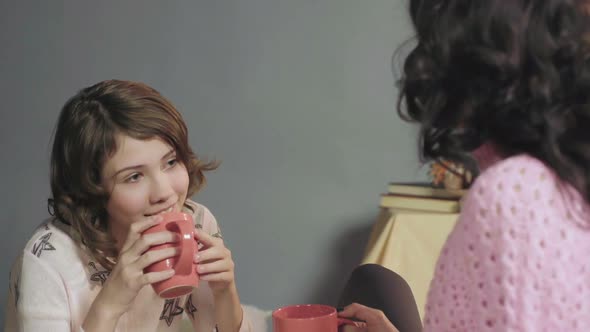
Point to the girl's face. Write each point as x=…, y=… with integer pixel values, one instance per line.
x=144, y=178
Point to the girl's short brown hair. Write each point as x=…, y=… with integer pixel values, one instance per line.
x=85, y=137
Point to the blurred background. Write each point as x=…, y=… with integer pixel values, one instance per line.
x=296, y=98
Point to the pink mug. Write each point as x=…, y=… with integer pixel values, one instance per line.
x=308, y=318
x=185, y=278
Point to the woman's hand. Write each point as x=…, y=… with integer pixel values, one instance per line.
x=215, y=263
x=375, y=319
x=127, y=277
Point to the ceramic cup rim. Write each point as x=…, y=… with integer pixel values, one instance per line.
x=330, y=311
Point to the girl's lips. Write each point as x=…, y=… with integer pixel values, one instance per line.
x=170, y=209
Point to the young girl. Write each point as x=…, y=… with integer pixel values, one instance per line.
x=120, y=157
x=507, y=83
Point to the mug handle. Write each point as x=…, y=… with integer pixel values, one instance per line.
x=184, y=263
x=355, y=323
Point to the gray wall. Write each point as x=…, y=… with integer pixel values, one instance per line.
x=295, y=97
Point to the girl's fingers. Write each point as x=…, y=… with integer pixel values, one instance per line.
x=151, y=277
x=139, y=227
x=148, y=240
x=144, y=242
x=217, y=277
x=215, y=267
x=211, y=254
x=153, y=256
x=206, y=239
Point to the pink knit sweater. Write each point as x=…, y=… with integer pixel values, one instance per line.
x=518, y=258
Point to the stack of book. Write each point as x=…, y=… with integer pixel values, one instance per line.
x=422, y=197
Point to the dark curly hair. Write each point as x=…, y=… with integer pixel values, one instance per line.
x=85, y=138
x=515, y=73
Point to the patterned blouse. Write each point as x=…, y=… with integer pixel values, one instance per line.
x=54, y=282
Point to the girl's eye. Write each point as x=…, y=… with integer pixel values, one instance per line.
x=133, y=178
x=172, y=162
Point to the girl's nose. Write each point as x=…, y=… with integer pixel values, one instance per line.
x=161, y=190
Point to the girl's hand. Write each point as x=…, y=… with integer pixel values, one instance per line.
x=127, y=277
x=215, y=264
x=375, y=319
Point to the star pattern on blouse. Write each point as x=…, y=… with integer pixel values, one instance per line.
x=99, y=276
x=42, y=245
x=171, y=309
x=190, y=308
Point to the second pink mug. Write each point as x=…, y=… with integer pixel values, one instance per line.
x=185, y=278
x=308, y=318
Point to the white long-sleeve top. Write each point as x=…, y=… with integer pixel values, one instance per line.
x=54, y=282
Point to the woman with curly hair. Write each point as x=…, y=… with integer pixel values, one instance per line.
x=504, y=88
x=120, y=159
